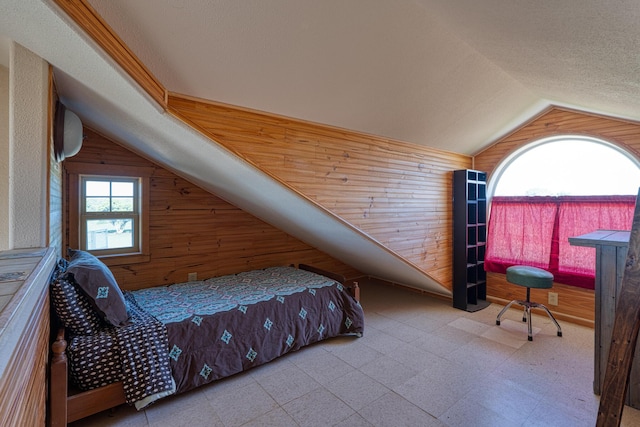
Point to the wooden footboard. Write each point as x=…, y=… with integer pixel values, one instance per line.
x=66, y=407
x=353, y=288
x=58, y=382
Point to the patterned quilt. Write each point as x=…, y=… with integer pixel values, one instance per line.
x=135, y=354
x=225, y=325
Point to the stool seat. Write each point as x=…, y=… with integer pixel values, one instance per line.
x=530, y=277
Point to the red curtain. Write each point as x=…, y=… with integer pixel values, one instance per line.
x=520, y=232
x=548, y=222
x=581, y=215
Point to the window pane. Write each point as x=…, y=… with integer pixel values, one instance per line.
x=571, y=167
x=97, y=204
x=122, y=189
x=122, y=204
x=109, y=234
x=97, y=188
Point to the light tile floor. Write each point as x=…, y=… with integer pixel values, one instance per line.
x=420, y=363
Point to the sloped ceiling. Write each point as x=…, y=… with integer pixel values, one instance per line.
x=387, y=68
x=448, y=74
x=583, y=54
x=454, y=75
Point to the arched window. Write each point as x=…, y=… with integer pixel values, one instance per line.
x=554, y=189
x=567, y=166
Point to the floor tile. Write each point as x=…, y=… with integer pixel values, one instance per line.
x=388, y=371
x=286, y=385
x=323, y=366
x=357, y=389
x=420, y=363
x=276, y=418
x=511, y=333
x=466, y=413
x=121, y=416
x=469, y=325
x=392, y=410
x=197, y=416
x=435, y=399
x=242, y=405
x=415, y=357
x=318, y=408
x=505, y=398
x=355, y=353
x=381, y=341
x=354, y=420
x=166, y=408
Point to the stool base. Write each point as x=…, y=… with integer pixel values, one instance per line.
x=526, y=316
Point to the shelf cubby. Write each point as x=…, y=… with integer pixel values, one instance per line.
x=469, y=239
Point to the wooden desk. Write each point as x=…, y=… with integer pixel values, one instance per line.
x=611, y=255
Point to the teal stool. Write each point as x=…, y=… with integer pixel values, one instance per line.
x=529, y=277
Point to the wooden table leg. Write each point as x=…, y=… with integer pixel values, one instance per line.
x=624, y=335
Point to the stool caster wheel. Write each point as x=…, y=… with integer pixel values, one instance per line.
x=524, y=319
x=559, y=334
x=498, y=322
x=530, y=338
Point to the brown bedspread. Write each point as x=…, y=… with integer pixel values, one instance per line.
x=222, y=326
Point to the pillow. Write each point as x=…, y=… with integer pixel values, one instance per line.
x=73, y=309
x=98, y=284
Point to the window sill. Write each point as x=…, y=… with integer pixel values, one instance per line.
x=113, y=260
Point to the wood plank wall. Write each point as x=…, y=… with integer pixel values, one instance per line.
x=573, y=302
x=23, y=387
x=396, y=192
x=54, y=220
x=192, y=230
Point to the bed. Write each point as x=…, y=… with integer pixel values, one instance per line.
x=139, y=346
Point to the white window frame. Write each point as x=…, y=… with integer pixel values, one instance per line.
x=507, y=162
x=133, y=215
x=75, y=171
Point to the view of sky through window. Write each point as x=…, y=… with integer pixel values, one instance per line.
x=570, y=167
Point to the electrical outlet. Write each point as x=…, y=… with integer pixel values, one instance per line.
x=192, y=277
x=553, y=298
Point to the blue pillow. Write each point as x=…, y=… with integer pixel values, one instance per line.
x=96, y=281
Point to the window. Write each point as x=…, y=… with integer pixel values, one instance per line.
x=108, y=211
x=554, y=189
x=110, y=215
x=567, y=166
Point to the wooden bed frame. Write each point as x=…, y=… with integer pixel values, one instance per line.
x=67, y=405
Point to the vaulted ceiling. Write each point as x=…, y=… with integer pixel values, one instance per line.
x=449, y=74
x=453, y=75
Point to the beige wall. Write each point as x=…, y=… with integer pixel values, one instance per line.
x=28, y=125
x=24, y=163
x=4, y=157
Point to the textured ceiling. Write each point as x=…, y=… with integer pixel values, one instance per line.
x=5, y=43
x=91, y=84
x=581, y=53
x=453, y=75
x=449, y=74
x=381, y=67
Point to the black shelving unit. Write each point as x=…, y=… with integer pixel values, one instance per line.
x=469, y=239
